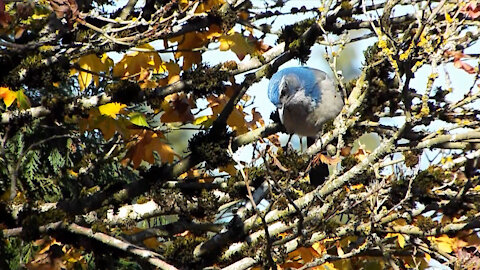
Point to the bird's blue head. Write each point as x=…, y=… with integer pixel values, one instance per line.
x=289, y=80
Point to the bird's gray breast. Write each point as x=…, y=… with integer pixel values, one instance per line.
x=302, y=115
x=296, y=115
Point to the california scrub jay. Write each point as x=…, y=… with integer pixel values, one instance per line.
x=306, y=98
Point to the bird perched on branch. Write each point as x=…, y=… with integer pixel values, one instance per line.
x=306, y=98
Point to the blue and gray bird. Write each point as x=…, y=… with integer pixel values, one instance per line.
x=306, y=98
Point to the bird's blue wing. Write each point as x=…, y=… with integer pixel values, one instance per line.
x=273, y=88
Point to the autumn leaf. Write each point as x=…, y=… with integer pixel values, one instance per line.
x=428, y=257
x=7, y=95
x=458, y=63
x=256, y=118
x=230, y=169
x=237, y=43
x=208, y=5
x=144, y=143
x=173, y=70
x=43, y=259
x=186, y=44
x=472, y=9
x=140, y=65
x=205, y=121
x=197, y=175
x=443, y=243
x=462, y=65
x=23, y=102
x=5, y=18
x=65, y=9
x=138, y=119
x=275, y=140
x=361, y=153
x=203, y=6
x=73, y=258
x=214, y=31
x=236, y=119
x=299, y=257
x=192, y=173
x=357, y=187
x=177, y=108
x=319, y=248
x=106, y=124
x=325, y=159
x=91, y=65
x=340, y=251
x=400, y=238
x=242, y=45
x=111, y=109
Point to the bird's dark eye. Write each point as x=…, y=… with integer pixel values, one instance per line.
x=283, y=92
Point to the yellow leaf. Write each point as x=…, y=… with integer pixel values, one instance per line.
x=133, y=63
x=428, y=257
x=186, y=44
x=39, y=16
x=202, y=119
x=208, y=5
x=357, y=186
x=7, y=95
x=72, y=173
x=447, y=17
x=173, y=70
x=423, y=40
x=230, y=169
x=138, y=119
x=236, y=120
x=237, y=43
x=401, y=240
x=342, y=264
x=91, y=66
x=191, y=174
x=443, y=243
x=106, y=124
x=214, y=31
x=326, y=266
x=111, y=109
x=319, y=247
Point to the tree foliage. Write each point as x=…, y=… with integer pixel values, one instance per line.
x=97, y=98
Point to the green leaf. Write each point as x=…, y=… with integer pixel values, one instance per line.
x=22, y=100
x=56, y=160
x=205, y=121
x=31, y=166
x=138, y=119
